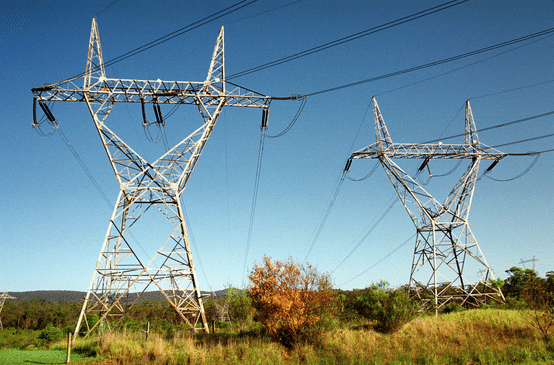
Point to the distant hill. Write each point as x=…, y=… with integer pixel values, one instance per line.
x=79, y=296
x=50, y=295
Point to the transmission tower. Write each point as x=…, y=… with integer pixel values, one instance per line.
x=522, y=261
x=444, y=243
x=221, y=310
x=120, y=277
x=3, y=298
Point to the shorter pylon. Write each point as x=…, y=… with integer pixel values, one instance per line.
x=3, y=298
x=444, y=243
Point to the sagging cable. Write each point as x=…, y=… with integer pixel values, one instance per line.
x=298, y=112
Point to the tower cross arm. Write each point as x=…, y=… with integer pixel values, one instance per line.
x=151, y=91
x=429, y=151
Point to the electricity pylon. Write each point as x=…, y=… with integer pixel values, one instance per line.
x=221, y=311
x=444, y=240
x=119, y=272
x=522, y=261
x=3, y=297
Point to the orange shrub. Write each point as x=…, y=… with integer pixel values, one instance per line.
x=293, y=302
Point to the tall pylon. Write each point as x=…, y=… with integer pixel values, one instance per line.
x=444, y=242
x=3, y=297
x=120, y=276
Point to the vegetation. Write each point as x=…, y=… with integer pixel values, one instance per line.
x=289, y=314
x=389, y=309
x=293, y=302
x=51, y=334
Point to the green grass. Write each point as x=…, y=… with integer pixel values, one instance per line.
x=488, y=336
x=18, y=338
x=14, y=357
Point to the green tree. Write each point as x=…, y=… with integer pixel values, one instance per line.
x=240, y=305
x=390, y=309
x=51, y=334
x=520, y=282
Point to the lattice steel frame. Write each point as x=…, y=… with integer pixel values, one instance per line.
x=3, y=297
x=145, y=185
x=444, y=240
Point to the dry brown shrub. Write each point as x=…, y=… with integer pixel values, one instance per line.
x=293, y=301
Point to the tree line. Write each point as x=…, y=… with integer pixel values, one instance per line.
x=292, y=303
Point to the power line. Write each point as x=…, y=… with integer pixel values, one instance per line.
x=470, y=65
x=337, y=189
x=378, y=262
x=106, y=8
x=496, y=126
x=439, y=62
x=514, y=89
x=83, y=166
x=181, y=31
x=91, y=177
x=254, y=198
x=264, y=12
x=190, y=236
x=351, y=37
x=389, y=208
x=367, y=175
x=296, y=116
x=326, y=214
x=176, y=33
x=524, y=140
x=485, y=174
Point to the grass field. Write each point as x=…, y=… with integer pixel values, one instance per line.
x=14, y=357
x=469, y=337
x=487, y=336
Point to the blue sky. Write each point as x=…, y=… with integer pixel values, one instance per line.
x=53, y=219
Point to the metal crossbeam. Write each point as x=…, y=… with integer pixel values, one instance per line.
x=444, y=240
x=150, y=91
x=430, y=151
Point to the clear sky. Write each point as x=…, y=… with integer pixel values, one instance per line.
x=53, y=219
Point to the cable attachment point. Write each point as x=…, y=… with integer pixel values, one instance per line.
x=265, y=116
x=348, y=163
x=492, y=166
x=157, y=113
x=425, y=163
x=47, y=113
x=159, y=121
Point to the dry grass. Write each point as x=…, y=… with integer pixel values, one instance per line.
x=469, y=337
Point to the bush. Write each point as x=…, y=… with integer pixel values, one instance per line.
x=452, y=307
x=222, y=324
x=389, y=308
x=240, y=305
x=293, y=301
x=51, y=334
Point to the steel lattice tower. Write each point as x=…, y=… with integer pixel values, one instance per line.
x=444, y=240
x=3, y=297
x=147, y=186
